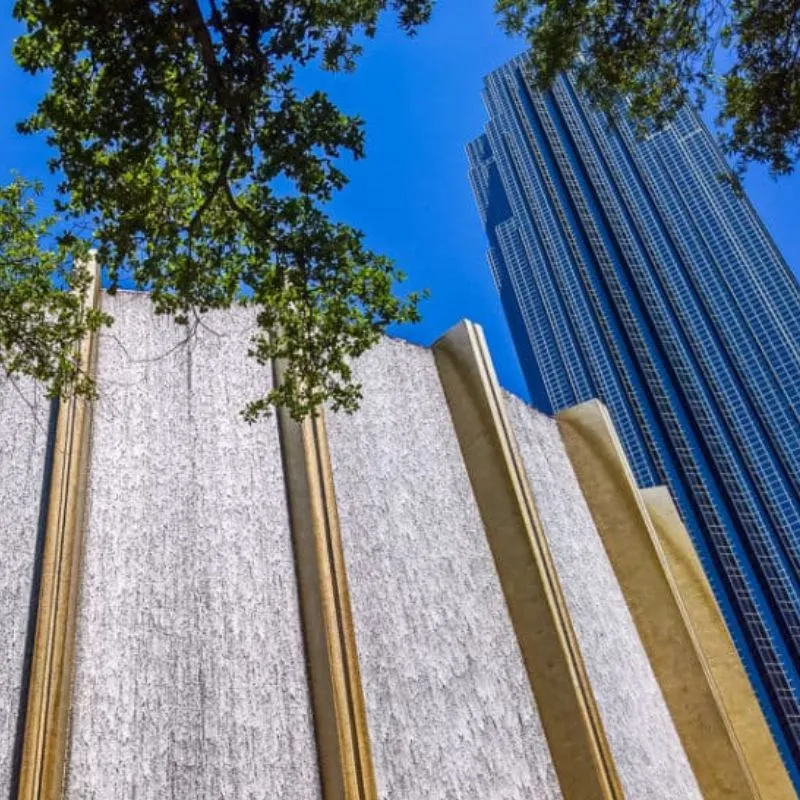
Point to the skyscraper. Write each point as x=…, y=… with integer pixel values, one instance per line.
x=631, y=272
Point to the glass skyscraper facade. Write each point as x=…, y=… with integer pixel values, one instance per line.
x=629, y=271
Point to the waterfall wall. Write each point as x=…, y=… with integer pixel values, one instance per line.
x=410, y=601
x=189, y=675
x=24, y=423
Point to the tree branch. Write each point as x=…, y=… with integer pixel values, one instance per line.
x=222, y=180
x=194, y=18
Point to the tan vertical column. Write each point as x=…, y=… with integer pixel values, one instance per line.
x=557, y=675
x=735, y=692
x=339, y=714
x=44, y=744
x=654, y=601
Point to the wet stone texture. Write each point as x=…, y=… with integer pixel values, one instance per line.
x=190, y=677
x=650, y=758
x=24, y=418
x=450, y=711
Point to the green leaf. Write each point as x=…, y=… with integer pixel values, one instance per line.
x=660, y=54
x=174, y=123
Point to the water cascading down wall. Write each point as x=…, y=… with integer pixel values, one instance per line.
x=421, y=600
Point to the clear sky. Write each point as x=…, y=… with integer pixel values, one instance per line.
x=421, y=99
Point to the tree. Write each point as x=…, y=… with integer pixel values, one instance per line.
x=661, y=54
x=184, y=144
x=42, y=282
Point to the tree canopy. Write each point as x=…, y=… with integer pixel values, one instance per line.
x=202, y=172
x=189, y=157
x=661, y=54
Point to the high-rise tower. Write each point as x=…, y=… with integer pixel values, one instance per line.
x=631, y=272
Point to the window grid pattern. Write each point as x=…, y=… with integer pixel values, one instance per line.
x=694, y=318
x=540, y=276
x=543, y=341
x=718, y=277
x=586, y=314
x=743, y=282
x=644, y=280
x=494, y=260
x=763, y=282
x=769, y=442
x=716, y=434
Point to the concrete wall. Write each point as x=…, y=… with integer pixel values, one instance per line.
x=649, y=756
x=190, y=678
x=450, y=709
x=24, y=415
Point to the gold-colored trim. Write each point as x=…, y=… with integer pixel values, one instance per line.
x=661, y=620
x=340, y=720
x=46, y=721
x=557, y=675
x=735, y=692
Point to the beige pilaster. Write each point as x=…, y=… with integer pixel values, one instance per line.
x=655, y=603
x=340, y=720
x=555, y=668
x=46, y=719
x=734, y=690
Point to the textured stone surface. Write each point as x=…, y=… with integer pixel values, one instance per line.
x=450, y=709
x=650, y=758
x=735, y=690
x=190, y=679
x=24, y=415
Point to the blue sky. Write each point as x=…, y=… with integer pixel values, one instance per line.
x=421, y=99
